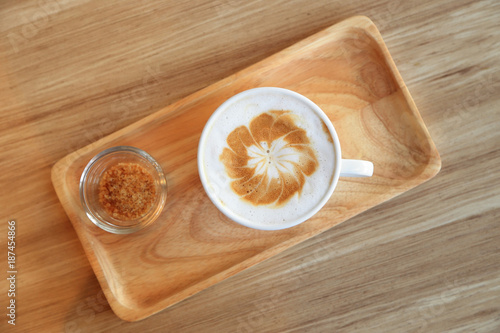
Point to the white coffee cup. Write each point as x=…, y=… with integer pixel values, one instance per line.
x=302, y=204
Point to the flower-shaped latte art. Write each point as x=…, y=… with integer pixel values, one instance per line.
x=270, y=159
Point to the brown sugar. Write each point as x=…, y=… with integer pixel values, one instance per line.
x=127, y=191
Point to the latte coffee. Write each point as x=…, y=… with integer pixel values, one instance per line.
x=267, y=158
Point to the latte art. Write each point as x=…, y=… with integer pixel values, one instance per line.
x=267, y=159
x=270, y=159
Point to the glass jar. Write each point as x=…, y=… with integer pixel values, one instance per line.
x=91, y=188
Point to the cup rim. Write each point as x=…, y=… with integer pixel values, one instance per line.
x=247, y=222
x=109, y=226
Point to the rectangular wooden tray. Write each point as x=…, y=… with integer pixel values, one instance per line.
x=346, y=70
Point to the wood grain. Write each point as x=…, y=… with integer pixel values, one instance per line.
x=345, y=69
x=426, y=261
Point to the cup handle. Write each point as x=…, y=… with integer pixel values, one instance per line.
x=356, y=168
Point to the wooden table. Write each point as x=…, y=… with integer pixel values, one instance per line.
x=426, y=261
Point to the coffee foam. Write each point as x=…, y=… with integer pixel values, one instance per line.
x=269, y=158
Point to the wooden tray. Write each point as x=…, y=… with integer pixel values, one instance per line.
x=346, y=70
